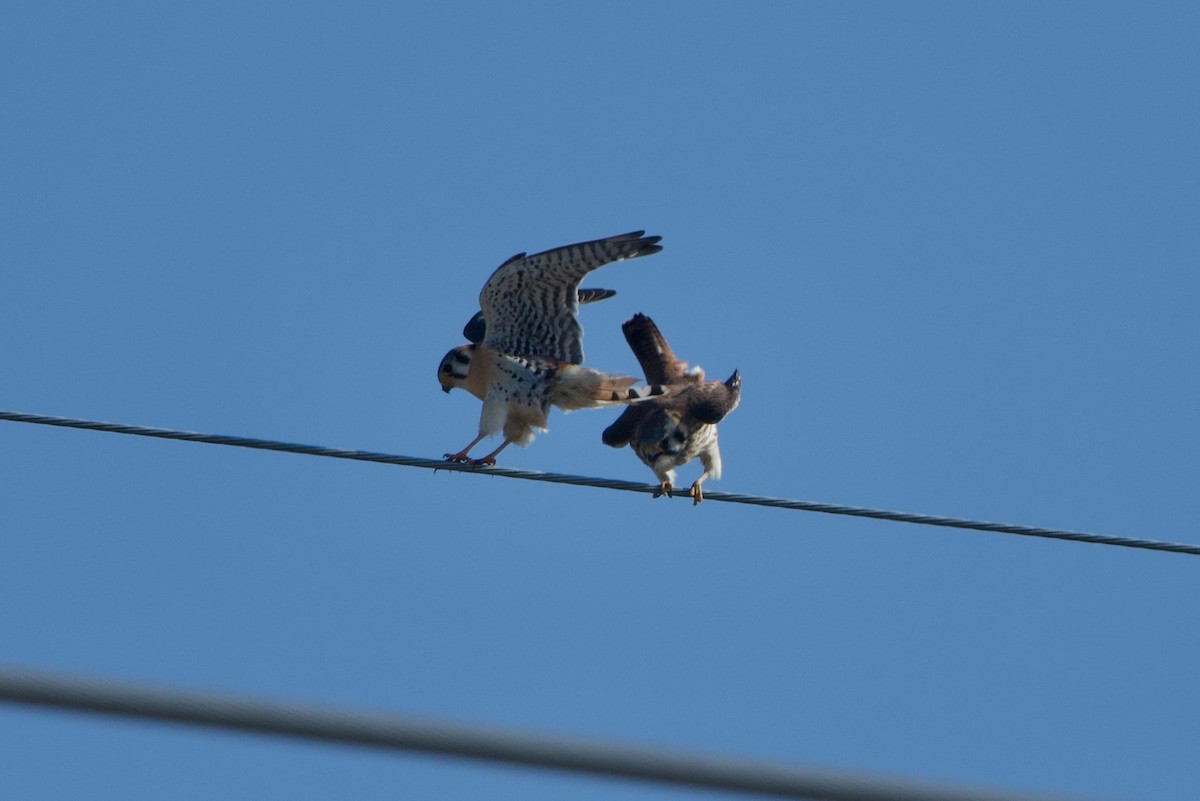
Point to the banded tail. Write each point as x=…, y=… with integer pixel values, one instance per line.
x=578, y=387
x=635, y=394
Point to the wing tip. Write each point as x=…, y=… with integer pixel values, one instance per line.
x=647, y=245
x=588, y=295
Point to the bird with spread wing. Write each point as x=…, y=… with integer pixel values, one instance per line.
x=526, y=353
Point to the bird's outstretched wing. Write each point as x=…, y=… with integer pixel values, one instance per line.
x=476, y=328
x=530, y=302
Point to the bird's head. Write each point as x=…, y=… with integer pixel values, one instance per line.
x=452, y=372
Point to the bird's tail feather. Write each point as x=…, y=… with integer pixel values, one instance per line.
x=653, y=353
x=582, y=388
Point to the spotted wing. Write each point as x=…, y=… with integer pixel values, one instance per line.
x=476, y=328
x=530, y=302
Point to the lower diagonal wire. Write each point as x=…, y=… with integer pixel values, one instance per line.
x=406, y=733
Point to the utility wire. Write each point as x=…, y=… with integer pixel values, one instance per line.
x=403, y=733
x=603, y=483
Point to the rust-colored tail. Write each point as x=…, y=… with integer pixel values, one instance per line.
x=582, y=388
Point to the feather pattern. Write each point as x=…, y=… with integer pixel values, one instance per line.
x=476, y=328
x=530, y=303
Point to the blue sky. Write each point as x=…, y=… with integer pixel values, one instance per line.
x=952, y=249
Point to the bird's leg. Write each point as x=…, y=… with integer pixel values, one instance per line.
x=461, y=456
x=490, y=459
x=663, y=489
x=695, y=491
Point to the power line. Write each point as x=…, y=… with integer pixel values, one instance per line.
x=604, y=483
x=404, y=733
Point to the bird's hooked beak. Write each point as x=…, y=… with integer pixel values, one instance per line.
x=446, y=390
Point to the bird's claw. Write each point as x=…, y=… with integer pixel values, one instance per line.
x=696, y=493
x=663, y=489
x=462, y=458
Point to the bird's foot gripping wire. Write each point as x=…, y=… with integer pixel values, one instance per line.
x=462, y=458
x=487, y=461
x=663, y=489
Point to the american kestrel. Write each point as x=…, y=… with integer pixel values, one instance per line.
x=531, y=349
x=671, y=430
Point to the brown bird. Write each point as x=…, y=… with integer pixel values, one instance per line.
x=671, y=430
